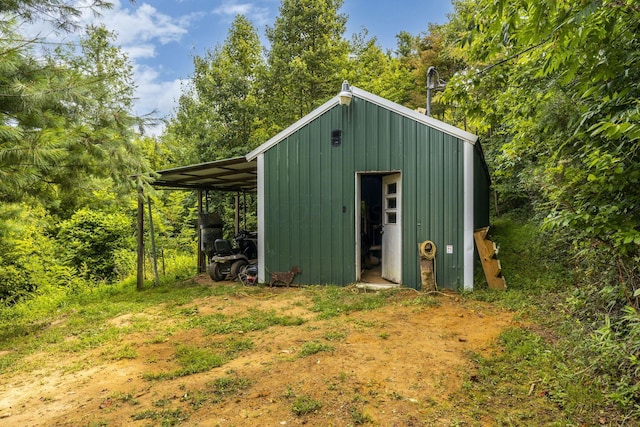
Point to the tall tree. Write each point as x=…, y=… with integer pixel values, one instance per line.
x=220, y=115
x=306, y=60
x=61, y=14
x=376, y=71
x=65, y=118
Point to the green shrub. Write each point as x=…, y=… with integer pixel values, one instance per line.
x=90, y=241
x=26, y=251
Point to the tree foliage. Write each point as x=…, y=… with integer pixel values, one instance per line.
x=65, y=118
x=91, y=239
x=221, y=113
x=554, y=88
x=376, y=71
x=306, y=58
x=557, y=84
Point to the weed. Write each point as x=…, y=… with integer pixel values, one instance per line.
x=288, y=393
x=358, y=417
x=305, y=405
x=126, y=352
x=196, y=359
x=196, y=399
x=313, y=347
x=423, y=300
x=159, y=339
x=124, y=398
x=226, y=386
x=167, y=417
x=234, y=346
x=383, y=335
x=161, y=403
x=193, y=360
x=256, y=321
x=333, y=301
x=396, y=396
x=335, y=336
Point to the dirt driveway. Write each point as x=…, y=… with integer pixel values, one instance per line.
x=400, y=364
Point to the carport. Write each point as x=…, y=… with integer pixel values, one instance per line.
x=228, y=175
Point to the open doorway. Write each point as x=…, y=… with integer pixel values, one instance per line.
x=379, y=231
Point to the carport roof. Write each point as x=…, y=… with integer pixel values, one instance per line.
x=235, y=174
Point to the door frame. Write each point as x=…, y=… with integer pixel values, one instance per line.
x=358, y=212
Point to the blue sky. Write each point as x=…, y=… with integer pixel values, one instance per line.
x=161, y=37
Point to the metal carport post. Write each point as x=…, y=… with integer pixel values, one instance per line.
x=234, y=174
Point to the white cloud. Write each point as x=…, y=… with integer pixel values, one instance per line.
x=231, y=8
x=155, y=96
x=144, y=24
x=147, y=50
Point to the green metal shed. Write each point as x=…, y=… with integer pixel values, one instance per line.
x=358, y=185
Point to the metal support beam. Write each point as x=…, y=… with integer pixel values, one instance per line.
x=202, y=261
x=140, y=236
x=236, y=228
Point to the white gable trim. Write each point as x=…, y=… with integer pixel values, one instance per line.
x=374, y=99
x=412, y=114
x=294, y=127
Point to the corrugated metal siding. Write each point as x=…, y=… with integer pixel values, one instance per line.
x=310, y=193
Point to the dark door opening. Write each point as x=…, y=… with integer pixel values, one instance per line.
x=374, y=254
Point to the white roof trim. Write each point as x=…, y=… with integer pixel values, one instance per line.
x=294, y=127
x=412, y=114
x=363, y=94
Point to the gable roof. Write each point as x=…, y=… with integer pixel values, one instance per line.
x=374, y=99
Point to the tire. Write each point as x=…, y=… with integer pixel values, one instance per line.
x=238, y=267
x=214, y=272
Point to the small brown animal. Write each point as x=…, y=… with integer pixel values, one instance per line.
x=285, y=277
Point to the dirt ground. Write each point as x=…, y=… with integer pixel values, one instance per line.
x=398, y=365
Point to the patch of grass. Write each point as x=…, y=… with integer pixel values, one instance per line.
x=125, y=352
x=257, y=320
x=358, y=417
x=196, y=359
x=331, y=301
x=91, y=337
x=229, y=385
x=235, y=346
x=216, y=391
x=423, y=300
x=529, y=376
x=313, y=347
x=161, y=403
x=9, y=360
x=532, y=260
x=165, y=417
x=124, y=398
x=335, y=336
x=305, y=405
x=49, y=318
x=193, y=360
